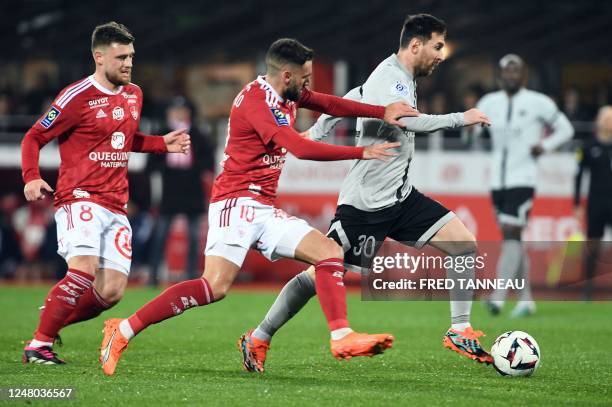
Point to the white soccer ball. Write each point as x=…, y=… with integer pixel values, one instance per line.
x=515, y=353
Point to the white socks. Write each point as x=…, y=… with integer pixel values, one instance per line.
x=40, y=344
x=126, y=329
x=337, y=334
x=461, y=327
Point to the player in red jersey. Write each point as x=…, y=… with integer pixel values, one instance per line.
x=96, y=123
x=242, y=213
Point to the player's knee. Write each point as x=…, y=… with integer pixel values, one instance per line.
x=219, y=289
x=112, y=293
x=331, y=250
x=466, y=244
x=86, y=264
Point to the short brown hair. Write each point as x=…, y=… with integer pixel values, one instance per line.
x=287, y=51
x=105, y=34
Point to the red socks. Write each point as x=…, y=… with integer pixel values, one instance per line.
x=329, y=276
x=61, y=302
x=173, y=301
x=90, y=306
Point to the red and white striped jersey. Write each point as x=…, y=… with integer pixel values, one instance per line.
x=252, y=162
x=95, y=128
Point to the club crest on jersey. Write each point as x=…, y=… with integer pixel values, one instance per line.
x=50, y=117
x=134, y=112
x=118, y=140
x=281, y=118
x=118, y=113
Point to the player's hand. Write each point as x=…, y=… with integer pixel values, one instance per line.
x=537, y=151
x=380, y=151
x=305, y=134
x=475, y=116
x=178, y=141
x=33, y=190
x=397, y=110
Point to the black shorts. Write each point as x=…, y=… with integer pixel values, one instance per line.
x=512, y=205
x=599, y=214
x=360, y=233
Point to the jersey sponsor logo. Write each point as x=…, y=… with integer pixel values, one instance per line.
x=118, y=113
x=50, y=117
x=129, y=95
x=281, y=118
x=110, y=159
x=118, y=140
x=134, y=112
x=275, y=162
x=100, y=114
x=98, y=102
x=79, y=193
x=400, y=89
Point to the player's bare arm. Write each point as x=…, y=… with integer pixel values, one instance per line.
x=34, y=190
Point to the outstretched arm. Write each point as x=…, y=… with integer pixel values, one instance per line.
x=432, y=122
x=337, y=106
x=326, y=123
x=177, y=141
x=310, y=150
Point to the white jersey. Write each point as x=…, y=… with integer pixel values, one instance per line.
x=372, y=185
x=518, y=123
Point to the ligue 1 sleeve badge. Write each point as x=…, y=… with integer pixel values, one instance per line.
x=50, y=117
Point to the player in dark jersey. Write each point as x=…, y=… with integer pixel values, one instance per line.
x=242, y=213
x=95, y=121
x=596, y=158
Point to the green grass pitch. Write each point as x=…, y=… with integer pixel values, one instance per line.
x=193, y=359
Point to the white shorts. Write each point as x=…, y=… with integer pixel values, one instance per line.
x=87, y=229
x=236, y=225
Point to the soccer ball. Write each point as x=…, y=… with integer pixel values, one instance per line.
x=515, y=353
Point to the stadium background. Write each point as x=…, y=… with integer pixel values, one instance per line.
x=207, y=51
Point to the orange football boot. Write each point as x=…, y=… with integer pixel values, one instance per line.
x=253, y=352
x=466, y=343
x=113, y=344
x=360, y=344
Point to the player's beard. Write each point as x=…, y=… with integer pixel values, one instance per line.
x=293, y=92
x=424, y=69
x=117, y=79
